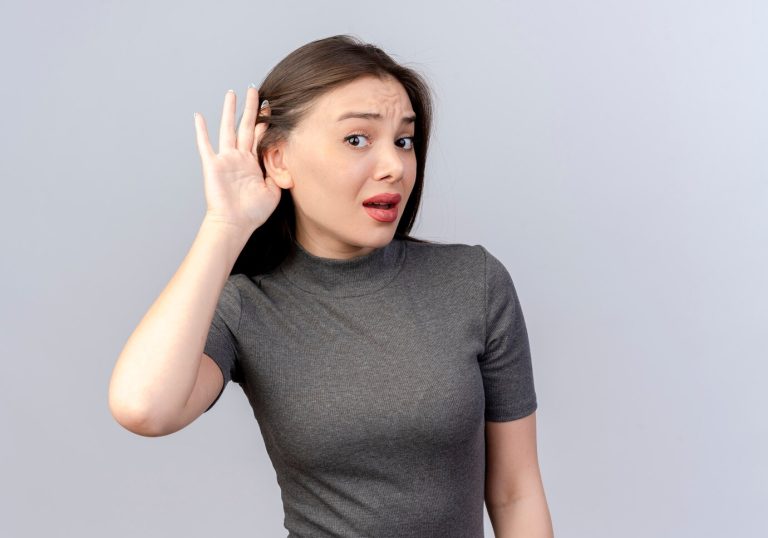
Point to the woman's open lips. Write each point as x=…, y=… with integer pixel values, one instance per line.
x=383, y=207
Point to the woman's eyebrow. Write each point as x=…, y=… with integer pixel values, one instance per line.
x=372, y=116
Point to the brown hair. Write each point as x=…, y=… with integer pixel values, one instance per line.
x=291, y=87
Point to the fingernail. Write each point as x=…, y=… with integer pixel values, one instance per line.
x=231, y=91
x=251, y=85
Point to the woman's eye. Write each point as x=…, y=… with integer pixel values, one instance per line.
x=410, y=140
x=355, y=138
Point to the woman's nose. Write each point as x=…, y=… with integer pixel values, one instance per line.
x=390, y=163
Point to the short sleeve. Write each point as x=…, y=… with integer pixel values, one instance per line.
x=506, y=362
x=221, y=343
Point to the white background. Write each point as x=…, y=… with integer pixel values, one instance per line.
x=611, y=154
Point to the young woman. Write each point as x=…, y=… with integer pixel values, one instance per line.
x=391, y=377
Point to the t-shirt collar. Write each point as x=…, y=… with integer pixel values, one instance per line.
x=361, y=275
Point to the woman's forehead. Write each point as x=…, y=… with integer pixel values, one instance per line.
x=366, y=96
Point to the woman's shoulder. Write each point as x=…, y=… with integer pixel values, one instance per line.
x=246, y=284
x=475, y=257
x=445, y=254
x=432, y=246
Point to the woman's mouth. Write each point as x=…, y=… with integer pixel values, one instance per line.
x=381, y=212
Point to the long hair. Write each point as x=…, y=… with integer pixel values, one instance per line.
x=291, y=87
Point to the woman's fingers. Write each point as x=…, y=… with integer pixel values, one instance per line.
x=227, y=128
x=203, y=144
x=261, y=128
x=258, y=133
x=245, y=131
x=244, y=139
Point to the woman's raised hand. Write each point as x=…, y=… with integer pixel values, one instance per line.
x=236, y=191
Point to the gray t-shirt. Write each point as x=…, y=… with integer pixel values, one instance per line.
x=371, y=380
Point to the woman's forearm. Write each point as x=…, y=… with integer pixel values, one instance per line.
x=526, y=517
x=157, y=368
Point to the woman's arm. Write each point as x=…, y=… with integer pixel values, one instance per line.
x=158, y=366
x=158, y=369
x=514, y=493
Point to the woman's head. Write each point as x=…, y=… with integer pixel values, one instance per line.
x=328, y=166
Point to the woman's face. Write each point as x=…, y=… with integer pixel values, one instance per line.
x=332, y=163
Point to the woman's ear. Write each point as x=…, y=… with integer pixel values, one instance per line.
x=275, y=164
